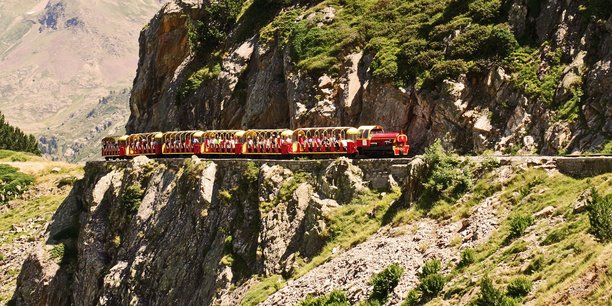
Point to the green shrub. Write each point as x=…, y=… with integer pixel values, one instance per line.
x=600, y=216
x=530, y=78
x=57, y=252
x=218, y=18
x=317, y=48
x=479, y=42
x=430, y=267
x=447, y=178
x=485, y=10
x=518, y=225
x=334, y=298
x=412, y=298
x=468, y=257
x=431, y=285
x=384, y=65
x=519, y=287
x=280, y=27
x=384, y=282
x=491, y=296
x=66, y=181
x=447, y=69
x=13, y=182
x=535, y=265
x=131, y=198
x=556, y=235
x=193, y=83
x=251, y=172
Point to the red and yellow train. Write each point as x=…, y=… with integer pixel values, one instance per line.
x=367, y=141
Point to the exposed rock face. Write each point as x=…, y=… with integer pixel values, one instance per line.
x=187, y=228
x=260, y=86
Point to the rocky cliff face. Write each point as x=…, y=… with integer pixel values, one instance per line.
x=259, y=83
x=194, y=232
x=191, y=230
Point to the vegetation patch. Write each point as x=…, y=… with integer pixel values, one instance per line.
x=467, y=257
x=519, y=287
x=448, y=177
x=431, y=283
x=526, y=64
x=13, y=183
x=259, y=292
x=14, y=139
x=335, y=298
x=131, y=198
x=518, y=224
x=57, y=252
x=384, y=282
x=600, y=216
x=195, y=80
x=489, y=295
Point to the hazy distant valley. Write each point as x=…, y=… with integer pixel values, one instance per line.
x=61, y=62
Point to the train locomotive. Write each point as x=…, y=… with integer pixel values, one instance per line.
x=365, y=141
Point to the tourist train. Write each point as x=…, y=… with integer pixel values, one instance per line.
x=365, y=141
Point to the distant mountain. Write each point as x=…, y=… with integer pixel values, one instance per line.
x=59, y=59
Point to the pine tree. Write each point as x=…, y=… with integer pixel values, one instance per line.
x=12, y=138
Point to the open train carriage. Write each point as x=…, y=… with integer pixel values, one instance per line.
x=181, y=142
x=110, y=147
x=325, y=141
x=220, y=142
x=266, y=142
x=372, y=140
x=142, y=144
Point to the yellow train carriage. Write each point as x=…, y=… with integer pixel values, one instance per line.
x=142, y=144
x=266, y=142
x=222, y=142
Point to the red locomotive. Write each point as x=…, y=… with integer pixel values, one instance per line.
x=367, y=141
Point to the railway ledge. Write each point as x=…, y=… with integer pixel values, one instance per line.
x=383, y=174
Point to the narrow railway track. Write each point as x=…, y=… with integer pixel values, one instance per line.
x=387, y=159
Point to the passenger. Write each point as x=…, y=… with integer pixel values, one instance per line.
x=325, y=141
x=195, y=140
x=317, y=141
x=342, y=141
x=250, y=144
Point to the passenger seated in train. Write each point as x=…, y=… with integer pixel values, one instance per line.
x=249, y=143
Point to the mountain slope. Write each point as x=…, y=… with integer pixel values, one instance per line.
x=59, y=58
x=221, y=232
x=508, y=76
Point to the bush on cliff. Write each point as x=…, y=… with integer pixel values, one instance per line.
x=131, y=198
x=384, y=282
x=600, y=216
x=13, y=182
x=518, y=225
x=448, y=177
x=334, y=298
x=431, y=283
x=489, y=295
